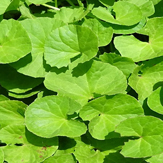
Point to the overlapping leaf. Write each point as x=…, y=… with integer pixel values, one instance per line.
x=126, y=13
x=14, y=41
x=86, y=80
x=145, y=78
x=70, y=15
x=131, y=47
x=66, y=158
x=146, y=6
x=86, y=154
x=50, y=116
x=24, y=146
x=67, y=42
x=11, y=112
x=102, y=30
x=155, y=100
x=16, y=82
x=106, y=112
x=34, y=64
x=126, y=65
x=148, y=133
x=4, y=5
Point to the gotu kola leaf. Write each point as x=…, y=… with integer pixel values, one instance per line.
x=34, y=64
x=85, y=153
x=4, y=5
x=15, y=82
x=51, y=116
x=69, y=41
x=106, y=112
x=23, y=146
x=146, y=6
x=86, y=80
x=149, y=133
x=126, y=13
x=66, y=158
x=102, y=30
x=70, y=15
x=11, y=112
x=146, y=78
x=14, y=41
x=137, y=50
x=155, y=100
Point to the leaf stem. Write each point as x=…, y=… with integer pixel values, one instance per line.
x=49, y=6
x=80, y=3
x=56, y=3
x=71, y=3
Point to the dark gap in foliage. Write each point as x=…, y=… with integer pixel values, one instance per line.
x=13, y=14
x=37, y=9
x=158, y=10
x=148, y=111
x=2, y=144
x=72, y=116
x=113, y=14
x=20, y=144
x=66, y=143
x=157, y=85
x=28, y=100
x=132, y=92
x=140, y=37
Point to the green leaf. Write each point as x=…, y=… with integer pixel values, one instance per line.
x=146, y=6
x=118, y=158
x=25, y=12
x=155, y=100
x=67, y=42
x=24, y=146
x=3, y=98
x=23, y=95
x=1, y=156
x=70, y=15
x=122, y=29
x=106, y=112
x=155, y=1
x=137, y=50
x=14, y=43
x=149, y=134
x=13, y=5
x=102, y=30
x=157, y=158
x=86, y=154
x=104, y=14
x=34, y=64
x=20, y=83
x=4, y=5
x=126, y=65
x=86, y=80
x=11, y=112
x=145, y=78
x=66, y=158
x=126, y=14
x=50, y=116
x=105, y=146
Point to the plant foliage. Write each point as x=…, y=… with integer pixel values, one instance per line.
x=81, y=81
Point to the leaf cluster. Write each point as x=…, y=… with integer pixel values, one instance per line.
x=81, y=81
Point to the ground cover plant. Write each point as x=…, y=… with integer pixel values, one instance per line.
x=81, y=81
